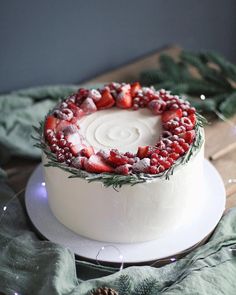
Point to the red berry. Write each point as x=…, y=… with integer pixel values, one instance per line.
x=188, y=136
x=174, y=156
x=60, y=157
x=59, y=135
x=152, y=170
x=123, y=169
x=54, y=148
x=186, y=122
x=62, y=142
x=163, y=153
x=154, y=161
x=160, y=168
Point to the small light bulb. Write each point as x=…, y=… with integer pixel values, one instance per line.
x=4, y=208
x=43, y=183
x=203, y=97
x=172, y=259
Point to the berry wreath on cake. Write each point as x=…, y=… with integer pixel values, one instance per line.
x=129, y=156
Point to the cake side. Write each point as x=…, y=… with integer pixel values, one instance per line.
x=136, y=213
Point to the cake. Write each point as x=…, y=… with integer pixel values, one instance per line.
x=123, y=163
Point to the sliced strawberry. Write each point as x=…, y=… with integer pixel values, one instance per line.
x=107, y=100
x=97, y=164
x=50, y=123
x=142, y=151
x=87, y=151
x=117, y=159
x=62, y=124
x=124, y=100
x=78, y=112
x=192, y=118
x=135, y=87
x=171, y=114
x=75, y=149
x=188, y=136
x=88, y=106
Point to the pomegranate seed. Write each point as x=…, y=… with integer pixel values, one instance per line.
x=154, y=161
x=155, y=156
x=174, y=156
x=160, y=168
x=153, y=170
x=53, y=140
x=170, y=160
x=163, y=153
x=180, y=141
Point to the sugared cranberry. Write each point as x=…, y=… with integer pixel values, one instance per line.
x=54, y=148
x=62, y=143
x=60, y=157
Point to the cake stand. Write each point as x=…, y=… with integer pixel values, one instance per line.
x=176, y=242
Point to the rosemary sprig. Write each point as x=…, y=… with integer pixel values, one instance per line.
x=114, y=180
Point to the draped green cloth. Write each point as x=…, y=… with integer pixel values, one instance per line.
x=29, y=265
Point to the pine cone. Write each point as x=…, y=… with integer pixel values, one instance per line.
x=104, y=291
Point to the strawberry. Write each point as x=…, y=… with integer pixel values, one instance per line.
x=50, y=123
x=188, y=136
x=75, y=149
x=96, y=164
x=135, y=87
x=117, y=159
x=87, y=151
x=62, y=125
x=78, y=112
x=88, y=106
x=107, y=100
x=142, y=151
x=171, y=114
x=124, y=100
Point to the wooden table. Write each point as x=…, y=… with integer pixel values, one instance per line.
x=219, y=134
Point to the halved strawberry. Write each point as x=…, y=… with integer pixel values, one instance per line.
x=87, y=151
x=107, y=100
x=142, y=151
x=124, y=100
x=171, y=114
x=134, y=88
x=188, y=136
x=96, y=164
x=50, y=123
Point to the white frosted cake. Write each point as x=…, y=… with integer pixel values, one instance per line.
x=124, y=163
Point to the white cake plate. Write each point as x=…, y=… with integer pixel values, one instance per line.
x=166, y=246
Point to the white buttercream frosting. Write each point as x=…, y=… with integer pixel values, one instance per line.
x=121, y=129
